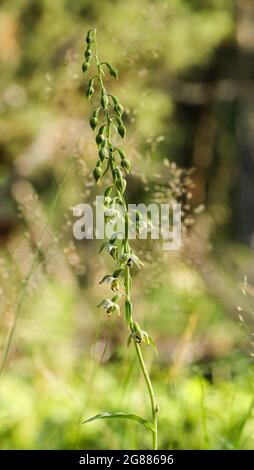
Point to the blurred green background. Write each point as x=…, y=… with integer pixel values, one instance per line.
x=186, y=82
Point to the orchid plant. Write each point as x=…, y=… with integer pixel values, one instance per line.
x=107, y=122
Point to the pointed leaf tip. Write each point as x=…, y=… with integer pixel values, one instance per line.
x=147, y=424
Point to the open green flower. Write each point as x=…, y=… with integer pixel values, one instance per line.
x=115, y=284
x=113, y=281
x=110, y=248
x=110, y=306
x=112, y=214
x=129, y=259
x=140, y=336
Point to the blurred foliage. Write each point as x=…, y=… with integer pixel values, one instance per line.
x=60, y=359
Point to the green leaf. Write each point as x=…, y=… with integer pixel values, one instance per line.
x=147, y=424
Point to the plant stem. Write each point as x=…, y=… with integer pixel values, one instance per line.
x=151, y=394
x=144, y=370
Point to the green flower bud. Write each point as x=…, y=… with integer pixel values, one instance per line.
x=126, y=164
x=108, y=191
x=85, y=66
x=107, y=200
x=89, y=92
x=117, y=106
x=121, y=184
x=104, y=101
x=102, y=129
x=121, y=130
x=88, y=53
x=121, y=153
x=115, y=100
x=90, y=89
x=97, y=172
x=112, y=71
x=93, y=122
x=100, y=139
x=88, y=36
x=102, y=154
x=116, y=174
x=119, y=109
